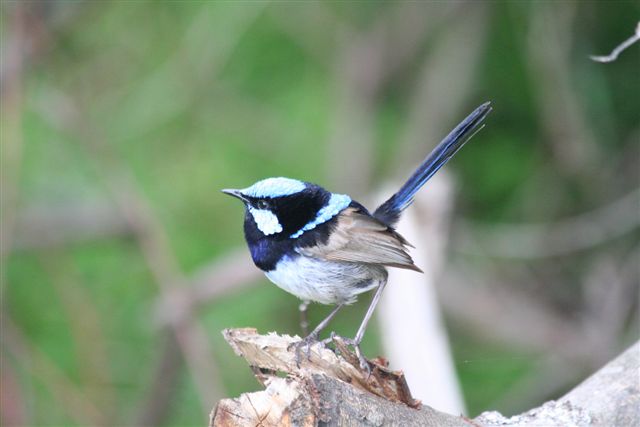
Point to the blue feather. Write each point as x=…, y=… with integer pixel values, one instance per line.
x=389, y=212
x=334, y=205
x=274, y=187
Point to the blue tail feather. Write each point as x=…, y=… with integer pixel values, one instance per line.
x=389, y=212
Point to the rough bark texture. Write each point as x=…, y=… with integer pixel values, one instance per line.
x=331, y=390
x=608, y=398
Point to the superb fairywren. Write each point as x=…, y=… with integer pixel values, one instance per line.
x=325, y=247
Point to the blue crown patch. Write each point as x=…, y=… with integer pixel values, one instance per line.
x=274, y=187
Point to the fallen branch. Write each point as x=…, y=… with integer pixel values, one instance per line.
x=334, y=391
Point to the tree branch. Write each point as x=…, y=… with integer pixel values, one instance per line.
x=332, y=390
x=325, y=388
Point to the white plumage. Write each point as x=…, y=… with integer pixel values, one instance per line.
x=266, y=221
x=313, y=279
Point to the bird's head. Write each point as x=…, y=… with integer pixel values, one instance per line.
x=285, y=207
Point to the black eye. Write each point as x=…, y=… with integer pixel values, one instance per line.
x=262, y=204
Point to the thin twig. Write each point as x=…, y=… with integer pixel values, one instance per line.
x=618, y=49
x=43, y=225
x=154, y=245
x=63, y=390
x=164, y=384
x=526, y=241
x=366, y=63
x=13, y=58
x=86, y=328
x=567, y=129
x=501, y=311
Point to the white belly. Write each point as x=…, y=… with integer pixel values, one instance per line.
x=326, y=282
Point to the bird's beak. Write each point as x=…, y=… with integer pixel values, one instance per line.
x=235, y=193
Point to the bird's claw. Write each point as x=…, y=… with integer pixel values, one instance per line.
x=305, y=343
x=365, y=365
x=329, y=340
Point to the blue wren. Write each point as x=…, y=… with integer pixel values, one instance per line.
x=327, y=248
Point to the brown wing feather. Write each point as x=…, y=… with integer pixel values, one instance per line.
x=358, y=237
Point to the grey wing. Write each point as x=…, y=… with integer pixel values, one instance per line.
x=358, y=237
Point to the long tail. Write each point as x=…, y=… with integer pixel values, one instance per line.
x=389, y=212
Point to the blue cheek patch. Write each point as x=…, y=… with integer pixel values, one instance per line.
x=337, y=202
x=266, y=221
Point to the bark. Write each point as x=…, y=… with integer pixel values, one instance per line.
x=329, y=389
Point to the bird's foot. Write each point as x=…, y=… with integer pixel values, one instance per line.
x=304, y=345
x=331, y=338
x=365, y=365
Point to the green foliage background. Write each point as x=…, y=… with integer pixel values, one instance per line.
x=192, y=97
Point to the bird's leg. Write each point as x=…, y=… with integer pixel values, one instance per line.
x=313, y=336
x=367, y=316
x=363, y=326
x=304, y=321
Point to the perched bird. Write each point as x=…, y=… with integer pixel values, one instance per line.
x=327, y=248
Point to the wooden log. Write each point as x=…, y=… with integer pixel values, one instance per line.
x=325, y=388
x=330, y=389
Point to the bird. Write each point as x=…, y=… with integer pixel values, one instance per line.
x=327, y=248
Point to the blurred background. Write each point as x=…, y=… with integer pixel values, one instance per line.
x=121, y=121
